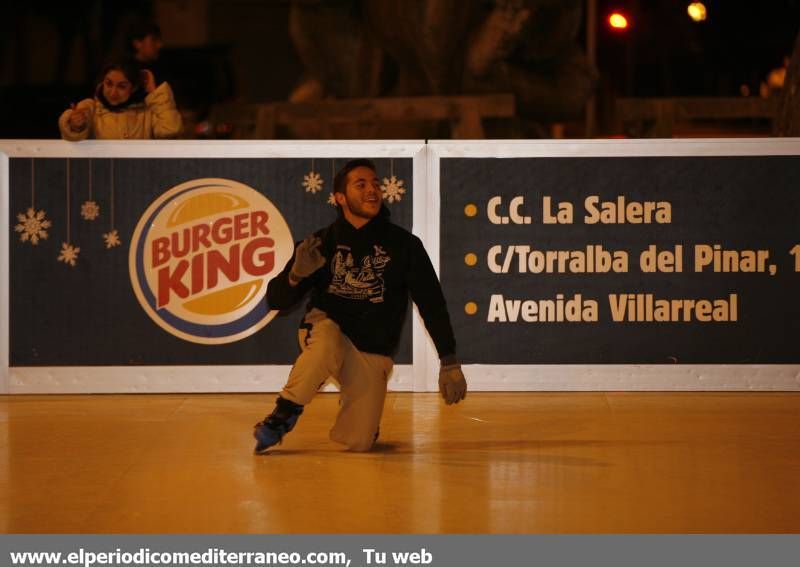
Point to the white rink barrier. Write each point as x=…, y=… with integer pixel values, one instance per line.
x=567, y=265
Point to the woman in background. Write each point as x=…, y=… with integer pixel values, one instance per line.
x=127, y=106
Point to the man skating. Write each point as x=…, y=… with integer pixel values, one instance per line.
x=360, y=272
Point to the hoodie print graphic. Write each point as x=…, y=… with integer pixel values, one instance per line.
x=360, y=282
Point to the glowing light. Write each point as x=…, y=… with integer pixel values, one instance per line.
x=697, y=11
x=618, y=21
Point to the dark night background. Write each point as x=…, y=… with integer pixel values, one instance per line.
x=737, y=45
x=240, y=51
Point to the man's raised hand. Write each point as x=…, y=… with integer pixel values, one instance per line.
x=307, y=258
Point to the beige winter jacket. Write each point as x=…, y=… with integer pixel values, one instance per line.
x=155, y=119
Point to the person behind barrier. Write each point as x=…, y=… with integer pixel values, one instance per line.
x=145, y=43
x=144, y=48
x=127, y=106
x=360, y=272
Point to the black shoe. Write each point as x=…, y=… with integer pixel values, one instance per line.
x=281, y=421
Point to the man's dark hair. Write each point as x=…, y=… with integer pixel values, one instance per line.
x=141, y=29
x=340, y=180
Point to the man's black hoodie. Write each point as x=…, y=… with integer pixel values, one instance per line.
x=365, y=284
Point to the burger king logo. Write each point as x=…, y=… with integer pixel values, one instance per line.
x=201, y=257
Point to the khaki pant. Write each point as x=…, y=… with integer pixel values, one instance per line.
x=362, y=378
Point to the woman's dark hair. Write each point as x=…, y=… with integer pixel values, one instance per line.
x=132, y=72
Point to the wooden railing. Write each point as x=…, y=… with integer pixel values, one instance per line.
x=363, y=117
x=657, y=117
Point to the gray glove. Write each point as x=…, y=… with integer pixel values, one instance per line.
x=307, y=258
x=452, y=384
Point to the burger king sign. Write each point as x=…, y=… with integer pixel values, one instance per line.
x=201, y=257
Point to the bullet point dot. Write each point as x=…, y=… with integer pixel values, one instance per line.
x=470, y=210
x=470, y=259
x=471, y=308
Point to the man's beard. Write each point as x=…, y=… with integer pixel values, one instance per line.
x=358, y=211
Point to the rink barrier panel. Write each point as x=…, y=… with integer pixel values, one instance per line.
x=423, y=373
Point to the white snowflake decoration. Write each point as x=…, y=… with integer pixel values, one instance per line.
x=332, y=200
x=69, y=254
x=112, y=238
x=313, y=182
x=393, y=189
x=32, y=226
x=90, y=210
